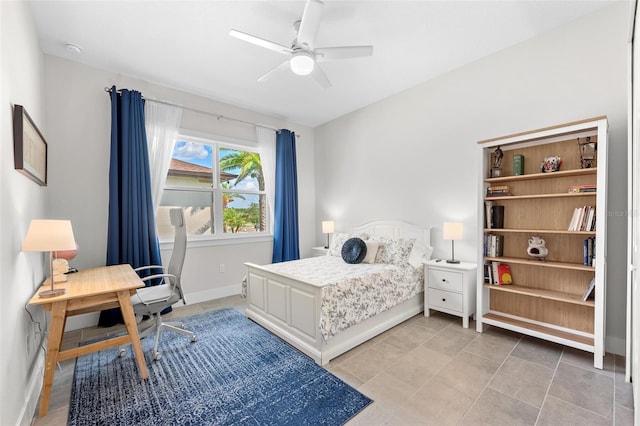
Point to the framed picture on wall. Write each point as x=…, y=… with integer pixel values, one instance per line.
x=29, y=147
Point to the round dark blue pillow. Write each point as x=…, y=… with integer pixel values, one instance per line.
x=354, y=250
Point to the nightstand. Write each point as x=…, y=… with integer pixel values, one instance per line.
x=319, y=251
x=450, y=288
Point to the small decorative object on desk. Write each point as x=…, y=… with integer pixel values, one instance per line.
x=588, y=153
x=537, y=248
x=496, y=162
x=551, y=164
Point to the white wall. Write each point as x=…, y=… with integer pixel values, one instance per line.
x=20, y=201
x=414, y=155
x=79, y=120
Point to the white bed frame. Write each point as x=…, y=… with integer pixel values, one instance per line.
x=290, y=307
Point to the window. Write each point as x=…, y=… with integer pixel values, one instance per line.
x=220, y=187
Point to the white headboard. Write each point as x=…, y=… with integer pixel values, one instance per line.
x=395, y=229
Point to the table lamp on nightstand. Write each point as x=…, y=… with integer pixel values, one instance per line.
x=327, y=228
x=452, y=231
x=51, y=236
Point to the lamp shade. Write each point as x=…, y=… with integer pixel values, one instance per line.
x=302, y=63
x=452, y=231
x=49, y=235
x=327, y=227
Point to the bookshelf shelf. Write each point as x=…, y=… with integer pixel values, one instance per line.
x=522, y=325
x=540, y=231
x=545, y=299
x=536, y=196
x=541, y=293
x=554, y=175
x=540, y=264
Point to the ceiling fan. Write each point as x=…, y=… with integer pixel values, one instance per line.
x=303, y=54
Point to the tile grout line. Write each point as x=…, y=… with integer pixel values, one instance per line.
x=546, y=394
x=492, y=377
x=419, y=388
x=570, y=403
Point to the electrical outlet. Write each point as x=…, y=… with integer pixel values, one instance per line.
x=32, y=339
x=32, y=342
x=222, y=268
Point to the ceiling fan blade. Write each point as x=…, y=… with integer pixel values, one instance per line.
x=320, y=77
x=310, y=23
x=283, y=67
x=346, y=52
x=260, y=42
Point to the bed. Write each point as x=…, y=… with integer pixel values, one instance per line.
x=324, y=306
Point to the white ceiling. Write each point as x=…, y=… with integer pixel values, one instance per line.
x=186, y=45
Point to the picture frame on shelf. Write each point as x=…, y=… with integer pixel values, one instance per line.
x=29, y=147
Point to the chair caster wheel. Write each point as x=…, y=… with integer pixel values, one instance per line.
x=157, y=356
x=121, y=352
x=193, y=338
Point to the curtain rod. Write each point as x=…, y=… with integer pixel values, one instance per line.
x=199, y=111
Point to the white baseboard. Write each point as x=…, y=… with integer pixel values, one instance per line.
x=213, y=294
x=32, y=393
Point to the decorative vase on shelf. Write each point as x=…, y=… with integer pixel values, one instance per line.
x=537, y=248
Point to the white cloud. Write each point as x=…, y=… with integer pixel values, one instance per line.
x=190, y=150
x=248, y=185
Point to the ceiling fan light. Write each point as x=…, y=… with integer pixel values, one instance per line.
x=302, y=63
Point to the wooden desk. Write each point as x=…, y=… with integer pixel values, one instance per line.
x=88, y=291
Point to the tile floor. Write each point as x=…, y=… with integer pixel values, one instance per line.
x=431, y=371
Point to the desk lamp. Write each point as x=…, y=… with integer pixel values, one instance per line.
x=327, y=228
x=51, y=236
x=452, y=231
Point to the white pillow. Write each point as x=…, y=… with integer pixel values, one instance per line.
x=372, y=250
x=393, y=251
x=420, y=253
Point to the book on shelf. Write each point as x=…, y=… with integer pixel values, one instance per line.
x=497, y=217
x=583, y=219
x=488, y=213
x=504, y=274
x=588, y=251
x=493, y=245
x=518, y=164
x=494, y=215
x=498, y=191
x=497, y=273
x=575, y=189
x=494, y=272
x=590, y=289
x=488, y=276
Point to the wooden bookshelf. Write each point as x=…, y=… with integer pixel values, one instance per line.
x=545, y=299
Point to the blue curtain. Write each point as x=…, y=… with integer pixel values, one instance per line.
x=285, y=226
x=131, y=235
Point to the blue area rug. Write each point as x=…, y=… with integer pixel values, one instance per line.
x=236, y=373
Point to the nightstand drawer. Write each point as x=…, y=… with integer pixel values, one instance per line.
x=445, y=280
x=445, y=299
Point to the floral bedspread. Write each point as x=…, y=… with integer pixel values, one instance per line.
x=353, y=293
